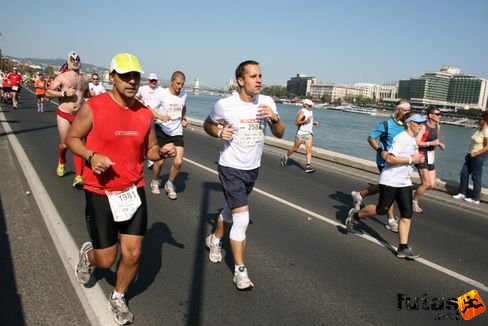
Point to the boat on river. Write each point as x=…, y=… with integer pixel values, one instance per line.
x=361, y=110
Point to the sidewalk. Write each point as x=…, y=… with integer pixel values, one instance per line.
x=35, y=287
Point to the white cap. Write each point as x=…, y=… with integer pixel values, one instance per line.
x=152, y=77
x=307, y=102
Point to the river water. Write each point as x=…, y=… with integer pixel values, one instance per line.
x=347, y=133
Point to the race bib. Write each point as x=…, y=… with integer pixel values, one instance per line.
x=250, y=132
x=430, y=157
x=124, y=203
x=175, y=112
x=15, y=88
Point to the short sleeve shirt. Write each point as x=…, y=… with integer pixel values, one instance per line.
x=166, y=103
x=477, y=140
x=245, y=148
x=398, y=175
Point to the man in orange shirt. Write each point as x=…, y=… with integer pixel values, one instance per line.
x=40, y=85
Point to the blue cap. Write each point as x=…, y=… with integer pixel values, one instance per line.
x=416, y=118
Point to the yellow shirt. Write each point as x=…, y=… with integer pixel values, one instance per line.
x=477, y=140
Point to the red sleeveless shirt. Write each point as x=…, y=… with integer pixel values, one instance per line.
x=120, y=134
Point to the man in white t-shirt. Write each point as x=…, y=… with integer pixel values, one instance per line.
x=169, y=110
x=243, y=117
x=395, y=183
x=147, y=92
x=94, y=86
x=305, y=122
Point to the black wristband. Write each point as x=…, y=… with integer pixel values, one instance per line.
x=379, y=150
x=90, y=157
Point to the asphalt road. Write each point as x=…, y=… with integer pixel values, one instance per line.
x=306, y=268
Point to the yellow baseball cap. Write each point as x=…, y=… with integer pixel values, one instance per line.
x=125, y=62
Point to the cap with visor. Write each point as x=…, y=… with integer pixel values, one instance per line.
x=123, y=63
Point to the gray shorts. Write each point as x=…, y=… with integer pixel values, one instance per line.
x=303, y=137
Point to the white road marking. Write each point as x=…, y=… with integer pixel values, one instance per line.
x=385, y=244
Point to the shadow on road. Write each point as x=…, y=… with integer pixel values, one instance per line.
x=10, y=297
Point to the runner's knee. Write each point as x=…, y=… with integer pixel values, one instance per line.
x=239, y=227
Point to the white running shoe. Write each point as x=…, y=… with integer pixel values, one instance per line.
x=122, y=314
x=357, y=199
x=155, y=187
x=215, y=254
x=350, y=220
x=459, y=196
x=416, y=207
x=84, y=268
x=171, y=191
x=392, y=225
x=471, y=200
x=241, y=279
x=283, y=162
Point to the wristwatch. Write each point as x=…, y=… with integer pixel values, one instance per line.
x=65, y=94
x=277, y=119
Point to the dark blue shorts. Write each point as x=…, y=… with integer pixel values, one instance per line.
x=237, y=185
x=103, y=230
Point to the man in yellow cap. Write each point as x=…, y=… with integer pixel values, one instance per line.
x=119, y=132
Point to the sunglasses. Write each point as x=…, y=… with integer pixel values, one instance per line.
x=437, y=114
x=153, y=80
x=94, y=78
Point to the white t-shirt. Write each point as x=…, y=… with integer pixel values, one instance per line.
x=306, y=128
x=146, y=93
x=403, y=145
x=166, y=103
x=98, y=89
x=245, y=148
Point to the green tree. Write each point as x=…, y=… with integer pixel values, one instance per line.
x=326, y=98
x=276, y=91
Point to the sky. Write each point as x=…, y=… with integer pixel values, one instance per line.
x=341, y=41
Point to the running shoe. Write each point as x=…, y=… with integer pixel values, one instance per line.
x=122, y=314
x=392, y=225
x=357, y=199
x=241, y=279
x=350, y=220
x=84, y=268
x=215, y=254
x=60, y=169
x=407, y=253
x=283, y=162
x=416, y=207
x=459, y=196
x=471, y=200
x=78, y=182
x=170, y=190
x=155, y=187
x=150, y=164
x=309, y=169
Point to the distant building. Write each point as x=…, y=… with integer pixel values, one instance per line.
x=339, y=91
x=447, y=89
x=300, y=85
